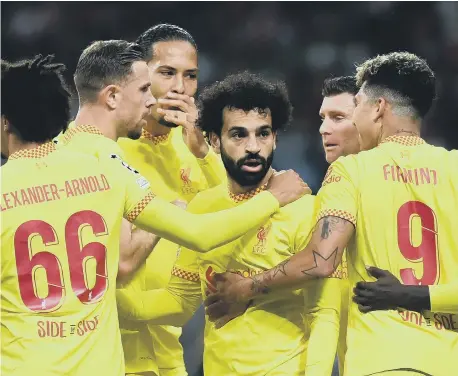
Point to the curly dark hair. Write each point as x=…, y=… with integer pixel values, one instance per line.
x=47, y=112
x=407, y=76
x=245, y=91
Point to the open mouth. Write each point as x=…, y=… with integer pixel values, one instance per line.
x=252, y=165
x=330, y=146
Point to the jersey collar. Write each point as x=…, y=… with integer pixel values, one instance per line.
x=247, y=195
x=405, y=140
x=156, y=140
x=39, y=152
x=79, y=129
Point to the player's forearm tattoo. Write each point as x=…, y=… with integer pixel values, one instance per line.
x=322, y=262
x=280, y=268
x=258, y=283
x=331, y=224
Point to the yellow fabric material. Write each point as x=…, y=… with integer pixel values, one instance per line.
x=444, y=298
x=402, y=198
x=271, y=337
x=58, y=310
x=175, y=174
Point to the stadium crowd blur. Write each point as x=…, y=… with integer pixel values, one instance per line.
x=299, y=42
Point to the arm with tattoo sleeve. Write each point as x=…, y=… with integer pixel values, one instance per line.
x=318, y=259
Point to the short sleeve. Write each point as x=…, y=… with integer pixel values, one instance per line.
x=304, y=230
x=339, y=194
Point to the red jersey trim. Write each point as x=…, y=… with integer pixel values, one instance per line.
x=337, y=213
x=135, y=212
x=78, y=129
x=405, y=140
x=155, y=139
x=183, y=274
x=38, y=152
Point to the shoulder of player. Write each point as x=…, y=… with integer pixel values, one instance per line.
x=299, y=210
x=129, y=146
x=304, y=203
x=345, y=165
x=106, y=146
x=204, y=201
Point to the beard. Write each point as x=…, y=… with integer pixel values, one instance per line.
x=166, y=123
x=134, y=134
x=246, y=178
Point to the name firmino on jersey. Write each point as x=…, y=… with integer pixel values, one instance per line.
x=52, y=192
x=416, y=176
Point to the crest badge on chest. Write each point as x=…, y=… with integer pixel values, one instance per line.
x=260, y=248
x=186, y=180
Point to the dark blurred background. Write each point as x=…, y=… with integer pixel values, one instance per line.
x=301, y=43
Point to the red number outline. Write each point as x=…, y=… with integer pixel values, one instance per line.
x=78, y=257
x=427, y=251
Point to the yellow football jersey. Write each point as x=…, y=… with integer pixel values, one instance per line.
x=166, y=162
x=271, y=337
x=402, y=198
x=73, y=287
x=60, y=252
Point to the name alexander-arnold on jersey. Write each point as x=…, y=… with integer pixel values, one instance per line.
x=51, y=192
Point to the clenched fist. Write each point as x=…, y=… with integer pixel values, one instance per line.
x=287, y=186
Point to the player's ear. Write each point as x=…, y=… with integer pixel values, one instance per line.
x=379, y=109
x=111, y=96
x=5, y=124
x=215, y=142
x=275, y=139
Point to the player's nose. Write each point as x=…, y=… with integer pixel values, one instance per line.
x=178, y=86
x=326, y=127
x=151, y=101
x=252, y=146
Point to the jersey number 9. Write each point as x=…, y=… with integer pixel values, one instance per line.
x=426, y=251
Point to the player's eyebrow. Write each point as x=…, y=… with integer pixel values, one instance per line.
x=244, y=129
x=192, y=70
x=166, y=67
x=144, y=86
x=264, y=127
x=237, y=128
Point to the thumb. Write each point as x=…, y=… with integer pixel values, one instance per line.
x=377, y=272
x=218, y=277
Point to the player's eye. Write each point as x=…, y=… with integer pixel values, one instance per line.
x=265, y=134
x=237, y=135
x=167, y=73
x=192, y=76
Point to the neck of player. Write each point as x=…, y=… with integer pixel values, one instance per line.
x=97, y=117
x=400, y=126
x=236, y=188
x=16, y=144
x=155, y=129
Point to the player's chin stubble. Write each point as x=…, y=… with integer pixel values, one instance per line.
x=167, y=124
x=241, y=177
x=134, y=134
